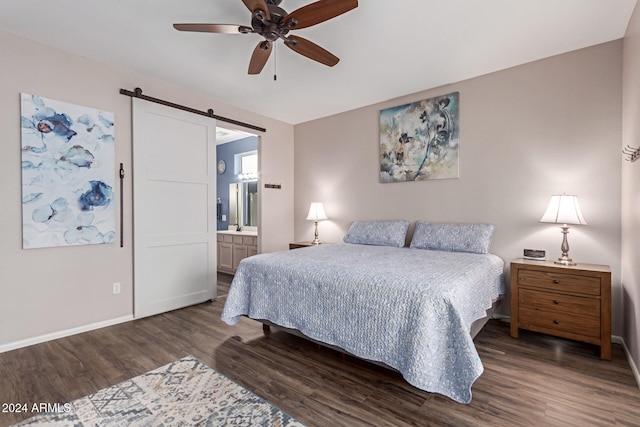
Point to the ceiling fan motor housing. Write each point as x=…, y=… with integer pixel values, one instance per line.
x=273, y=28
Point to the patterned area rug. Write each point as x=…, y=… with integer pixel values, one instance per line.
x=183, y=393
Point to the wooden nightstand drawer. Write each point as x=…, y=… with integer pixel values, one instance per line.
x=557, y=322
x=560, y=282
x=577, y=306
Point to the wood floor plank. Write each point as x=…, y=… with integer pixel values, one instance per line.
x=531, y=381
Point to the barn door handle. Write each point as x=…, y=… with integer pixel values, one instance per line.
x=121, y=171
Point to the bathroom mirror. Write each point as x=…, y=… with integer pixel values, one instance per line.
x=243, y=204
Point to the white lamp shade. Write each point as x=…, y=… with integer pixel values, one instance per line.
x=316, y=212
x=564, y=209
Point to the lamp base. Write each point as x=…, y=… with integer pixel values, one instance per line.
x=565, y=261
x=316, y=240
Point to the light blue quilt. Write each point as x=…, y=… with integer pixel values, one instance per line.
x=411, y=309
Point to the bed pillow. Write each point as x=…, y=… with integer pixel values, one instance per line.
x=379, y=233
x=474, y=238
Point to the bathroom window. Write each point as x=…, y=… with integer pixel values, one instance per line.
x=249, y=164
x=246, y=165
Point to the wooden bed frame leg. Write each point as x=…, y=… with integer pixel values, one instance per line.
x=266, y=329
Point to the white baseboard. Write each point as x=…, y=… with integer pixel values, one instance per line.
x=634, y=369
x=61, y=334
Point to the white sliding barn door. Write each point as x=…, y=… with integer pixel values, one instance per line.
x=174, y=189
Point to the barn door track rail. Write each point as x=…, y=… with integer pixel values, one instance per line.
x=137, y=93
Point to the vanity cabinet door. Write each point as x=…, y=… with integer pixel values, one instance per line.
x=225, y=256
x=239, y=253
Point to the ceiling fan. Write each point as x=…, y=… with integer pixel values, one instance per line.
x=273, y=23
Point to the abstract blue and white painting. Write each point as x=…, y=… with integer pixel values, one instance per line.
x=419, y=141
x=68, y=174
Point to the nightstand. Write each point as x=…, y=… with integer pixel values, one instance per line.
x=298, y=245
x=567, y=301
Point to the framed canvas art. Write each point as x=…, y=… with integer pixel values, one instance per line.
x=68, y=173
x=419, y=141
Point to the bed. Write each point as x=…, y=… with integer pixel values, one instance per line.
x=410, y=308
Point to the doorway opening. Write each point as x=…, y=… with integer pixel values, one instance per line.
x=237, y=197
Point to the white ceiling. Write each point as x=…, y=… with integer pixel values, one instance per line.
x=387, y=48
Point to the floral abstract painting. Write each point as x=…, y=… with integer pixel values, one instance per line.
x=419, y=141
x=68, y=174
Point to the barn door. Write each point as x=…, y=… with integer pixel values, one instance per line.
x=174, y=192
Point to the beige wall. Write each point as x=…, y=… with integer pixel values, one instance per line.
x=631, y=189
x=544, y=128
x=45, y=292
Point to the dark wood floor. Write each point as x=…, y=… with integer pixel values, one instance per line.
x=532, y=381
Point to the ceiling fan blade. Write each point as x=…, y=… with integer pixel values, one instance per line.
x=254, y=5
x=259, y=57
x=311, y=50
x=209, y=28
x=320, y=11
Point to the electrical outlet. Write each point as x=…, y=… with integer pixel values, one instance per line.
x=116, y=288
x=224, y=217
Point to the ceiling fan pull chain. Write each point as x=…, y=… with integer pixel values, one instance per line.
x=275, y=62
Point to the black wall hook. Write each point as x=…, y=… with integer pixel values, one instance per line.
x=631, y=154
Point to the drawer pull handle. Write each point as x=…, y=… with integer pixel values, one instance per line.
x=555, y=301
x=556, y=281
x=556, y=321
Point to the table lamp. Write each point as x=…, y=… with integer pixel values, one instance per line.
x=564, y=210
x=316, y=213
